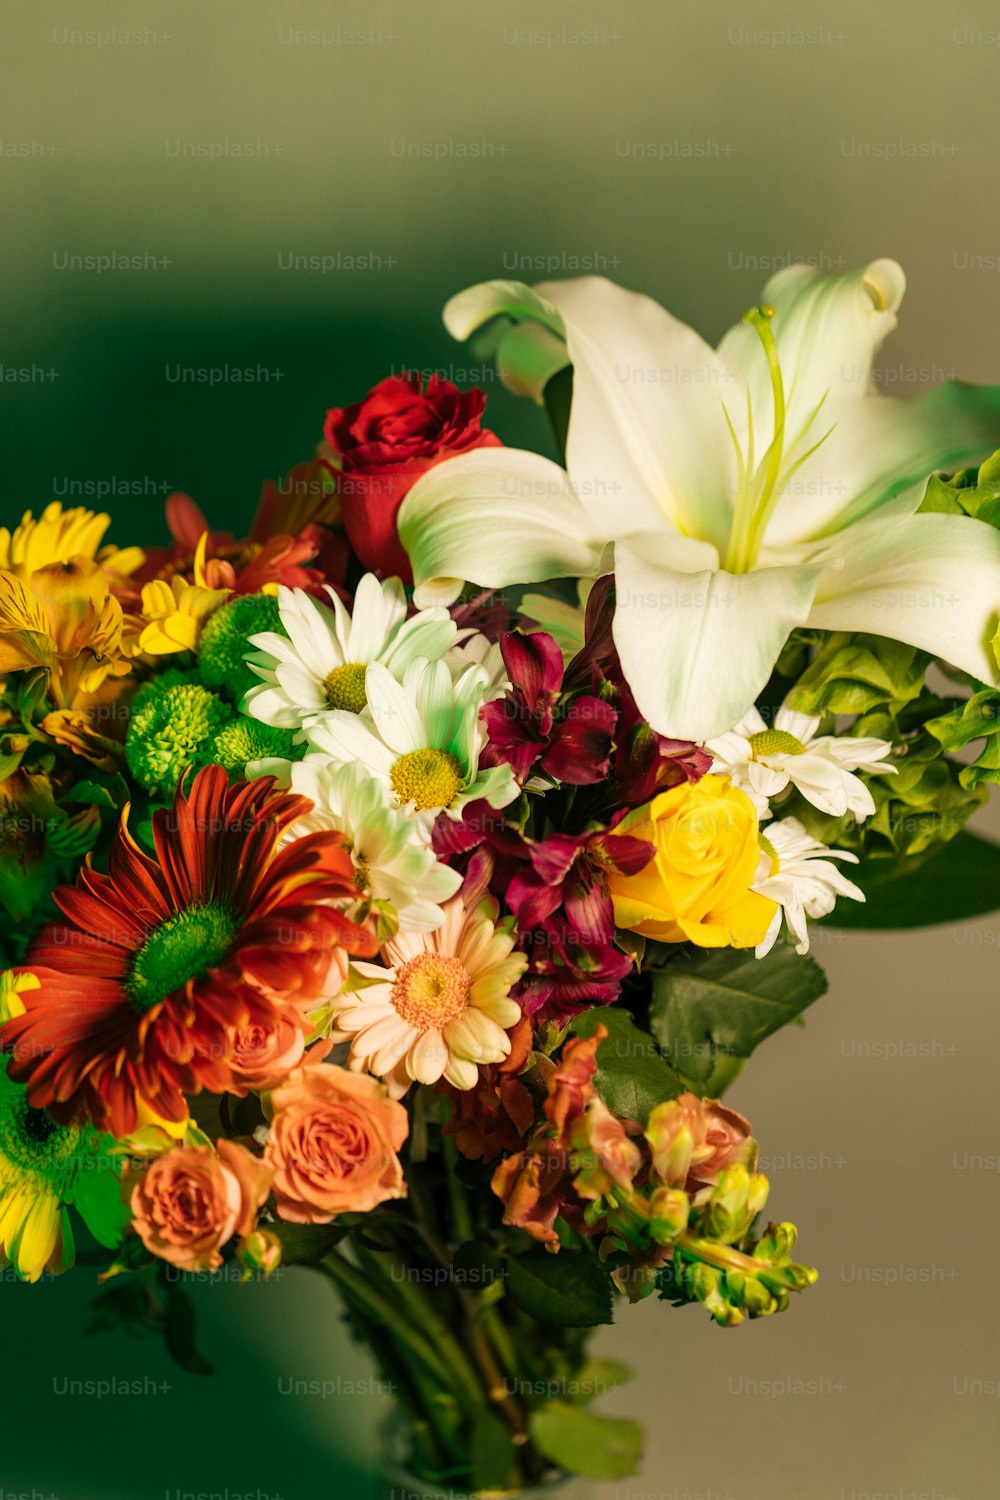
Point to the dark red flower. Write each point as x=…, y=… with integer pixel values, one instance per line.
x=572, y=743
x=161, y=963
x=400, y=430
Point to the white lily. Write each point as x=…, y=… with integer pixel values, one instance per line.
x=736, y=493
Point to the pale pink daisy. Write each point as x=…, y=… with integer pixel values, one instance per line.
x=441, y=1006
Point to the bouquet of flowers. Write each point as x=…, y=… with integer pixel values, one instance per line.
x=396, y=891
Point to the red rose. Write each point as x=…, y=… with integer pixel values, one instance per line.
x=385, y=443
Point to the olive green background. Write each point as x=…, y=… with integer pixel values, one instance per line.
x=684, y=149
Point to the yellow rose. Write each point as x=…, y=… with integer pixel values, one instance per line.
x=697, y=887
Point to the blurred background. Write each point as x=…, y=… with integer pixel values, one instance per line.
x=222, y=217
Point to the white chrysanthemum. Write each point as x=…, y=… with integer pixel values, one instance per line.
x=440, y=1008
x=476, y=650
x=798, y=873
x=321, y=665
x=764, y=761
x=421, y=739
x=391, y=860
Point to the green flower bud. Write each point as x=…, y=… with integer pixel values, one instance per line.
x=669, y=1209
x=167, y=732
x=240, y=740
x=224, y=643
x=777, y=1244
x=707, y=1286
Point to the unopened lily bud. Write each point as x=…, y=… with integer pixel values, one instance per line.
x=259, y=1253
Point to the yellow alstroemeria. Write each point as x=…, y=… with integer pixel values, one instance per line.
x=65, y=619
x=58, y=535
x=173, y=612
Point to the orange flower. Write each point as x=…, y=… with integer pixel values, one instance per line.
x=189, y=1202
x=157, y=966
x=333, y=1144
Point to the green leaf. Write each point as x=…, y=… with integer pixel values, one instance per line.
x=632, y=1077
x=307, y=1244
x=581, y=1443
x=598, y=1377
x=718, y=1004
x=852, y=674
x=949, y=883
x=493, y=1455
x=570, y=1288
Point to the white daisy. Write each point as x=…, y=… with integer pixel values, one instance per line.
x=798, y=873
x=764, y=761
x=421, y=739
x=321, y=664
x=392, y=862
x=477, y=650
x=440, y=1008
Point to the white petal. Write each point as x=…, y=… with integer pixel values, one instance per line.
x=828, y=330
x=496, y=517
x=428, y=1058
x=698, y=648
x=647, y=446
x=930, y=580
x=393, y=712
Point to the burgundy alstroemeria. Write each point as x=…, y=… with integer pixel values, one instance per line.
x=566, y=922
x=529, y=726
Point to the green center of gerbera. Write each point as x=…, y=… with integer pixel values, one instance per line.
x=182, y=948
x=775, y=742
x=31, y=1140
x=345, y=687
x=428, y=778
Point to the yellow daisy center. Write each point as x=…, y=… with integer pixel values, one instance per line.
x=775, y=742
x=345, y=687
x=431, y=990
x=429, y=778
x=768, y=848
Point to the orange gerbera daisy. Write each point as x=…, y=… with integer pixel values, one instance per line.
x=162, y=962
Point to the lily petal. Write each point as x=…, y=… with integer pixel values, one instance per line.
x=647, y=446
x=496, y=517
x=698, y=648
x=930, y=580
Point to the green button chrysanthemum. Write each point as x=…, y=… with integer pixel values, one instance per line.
x=241, y=740
x=168, y=733
x=44, y=1167
x=224, y=642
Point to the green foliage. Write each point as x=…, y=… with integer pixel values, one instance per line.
x=970, y=492
x=976, y=718
x=854, y=674
x=948, y=883
x=713, y=1005
x=582, y=1443
x=632, y=1077
x=571, y=1289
